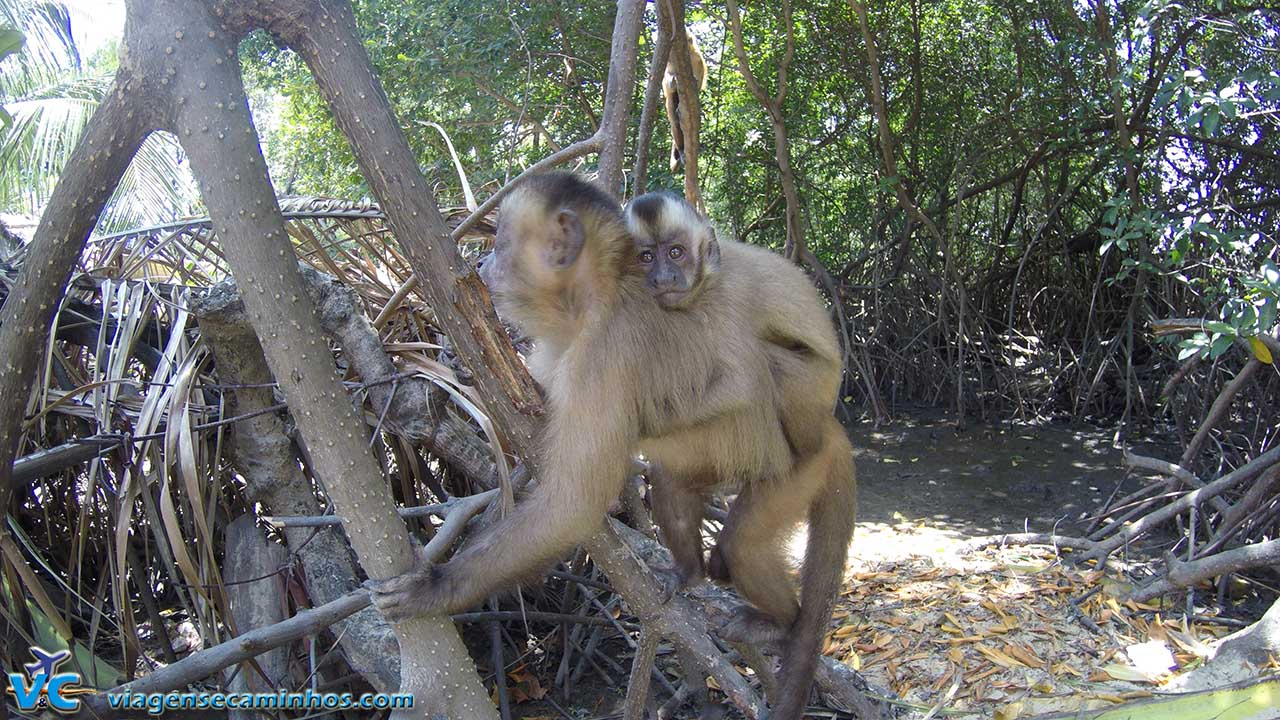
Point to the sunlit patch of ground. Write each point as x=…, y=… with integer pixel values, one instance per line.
x=1003, y=632
x=1008, y=633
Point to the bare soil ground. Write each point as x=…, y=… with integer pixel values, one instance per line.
x=923, y=485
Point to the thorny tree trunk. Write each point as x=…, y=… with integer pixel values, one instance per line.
x=265, y=457
x=795, y=246
x=217, y=133
x=100, y=158
x=179, y=71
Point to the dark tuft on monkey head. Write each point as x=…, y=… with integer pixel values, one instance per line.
x=558, y=236
x=676, y=248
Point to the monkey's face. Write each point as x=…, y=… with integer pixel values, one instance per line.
x=535, y=248
x=674, y=264
x=675, y=248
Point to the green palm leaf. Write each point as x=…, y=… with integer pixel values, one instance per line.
x=49, y=97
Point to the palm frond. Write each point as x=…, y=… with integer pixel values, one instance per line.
x=50, y=48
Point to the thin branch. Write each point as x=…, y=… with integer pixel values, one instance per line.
x=638, y=685
x=1185, y=574
x=1192, y=499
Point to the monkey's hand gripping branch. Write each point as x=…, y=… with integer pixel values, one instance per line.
x=421, y=589
x=584, y=471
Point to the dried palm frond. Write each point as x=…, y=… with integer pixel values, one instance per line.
x=138, y=529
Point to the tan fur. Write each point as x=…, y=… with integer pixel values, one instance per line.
x=671, y=97
x=696, y=390
x=786, y=317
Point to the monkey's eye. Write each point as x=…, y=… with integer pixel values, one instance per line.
x=646, y=257
x=676, y=252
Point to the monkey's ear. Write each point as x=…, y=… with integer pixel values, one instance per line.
x=567, y=238
x=712, y=260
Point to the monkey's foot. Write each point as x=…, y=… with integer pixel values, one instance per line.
x=717, y=566
x=421, y=591
x=672, y=581
x=748, y=625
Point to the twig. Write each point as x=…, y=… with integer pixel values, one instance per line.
x=514, y=615
x=1217, y=487
x=455, y=523
x=1164, y=467
x=1058, y=541
x=327, y=520
x=1185, y=574
x=248, y=645
x=1079, y=614
x=638, y=685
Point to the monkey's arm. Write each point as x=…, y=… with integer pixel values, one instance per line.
x=588, y=453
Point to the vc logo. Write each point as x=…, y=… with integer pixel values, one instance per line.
x=47, y=689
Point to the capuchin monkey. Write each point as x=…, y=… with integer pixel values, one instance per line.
x=671, y=95
x=681, y=257
x=694, y=391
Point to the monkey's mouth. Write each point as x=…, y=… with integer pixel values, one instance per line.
x=671, y=298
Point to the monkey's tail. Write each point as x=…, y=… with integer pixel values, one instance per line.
x=831, y=519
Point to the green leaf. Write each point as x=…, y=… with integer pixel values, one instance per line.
x=1212, y=117
x=1220, y=345
x=10, y=41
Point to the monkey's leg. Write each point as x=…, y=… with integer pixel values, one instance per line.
x=751, y=551
x=830, y=481
x=672, y=99
x=677, y=510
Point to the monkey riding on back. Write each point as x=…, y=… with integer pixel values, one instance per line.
x=736, y=389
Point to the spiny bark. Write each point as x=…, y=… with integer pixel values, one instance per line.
x=266, y=458
x=210, y=116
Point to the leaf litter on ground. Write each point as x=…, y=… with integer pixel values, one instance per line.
x=1016, y=631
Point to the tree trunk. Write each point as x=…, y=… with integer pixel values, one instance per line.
x=255, y=594
x=648, y=113
x=618, y=93
x=265, y=457
x=100, y=159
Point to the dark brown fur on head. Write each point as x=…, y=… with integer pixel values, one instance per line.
x=559, y=237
